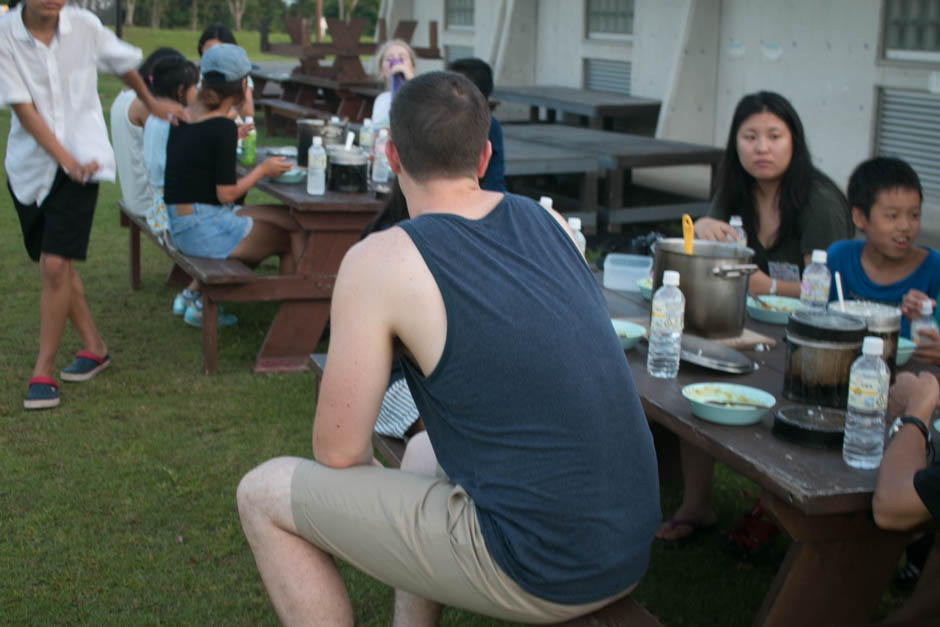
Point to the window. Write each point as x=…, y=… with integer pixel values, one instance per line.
x=452, y=53
x=908, y=127
x=459, y=14
x=604, y=75
x=609, y=19
x=912, y=30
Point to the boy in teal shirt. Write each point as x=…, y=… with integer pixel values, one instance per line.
x=885, y=195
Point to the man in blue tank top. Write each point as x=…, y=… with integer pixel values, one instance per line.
x=546, y=495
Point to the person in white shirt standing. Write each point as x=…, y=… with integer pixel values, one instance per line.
x=57, y=152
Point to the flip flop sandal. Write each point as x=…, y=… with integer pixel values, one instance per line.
x=697, y=527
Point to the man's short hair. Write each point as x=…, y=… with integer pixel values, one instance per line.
x=877, y=175
x=439, y=123
x=477, y=70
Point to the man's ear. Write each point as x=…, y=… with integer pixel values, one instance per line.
x=391, y=153
x=484, y=159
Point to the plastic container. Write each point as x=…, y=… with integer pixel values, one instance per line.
x=814, y=288
x=738, y=226
x=575, y=225
x=380, y=165
x=924, y=322
x=864, y=440
x=249, y=144
x=306, y=131
x=316, y=168
x=666, y=322
x=366, y=135
x=622, y=272
x=348, y=170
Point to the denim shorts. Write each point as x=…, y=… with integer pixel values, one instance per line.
x=211, y=231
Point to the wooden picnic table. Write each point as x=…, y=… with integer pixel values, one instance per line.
x=619, y=153
x=596, y=106
x=332, y=224
x=839, y=562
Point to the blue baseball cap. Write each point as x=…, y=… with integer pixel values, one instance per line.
x=225, y=63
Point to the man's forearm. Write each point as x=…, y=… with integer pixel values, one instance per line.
x=34, y=124
x=896, y=504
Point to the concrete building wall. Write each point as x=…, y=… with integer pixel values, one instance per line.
x=700, y=56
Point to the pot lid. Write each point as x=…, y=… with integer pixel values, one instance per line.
x=819, y=427
x=311, y=122
x=826, y=326
x=878, y=316
x=701, y=352
x=354, y=156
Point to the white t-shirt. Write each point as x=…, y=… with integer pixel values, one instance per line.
x=128, y=140
x=380, y=109
x=61, y=80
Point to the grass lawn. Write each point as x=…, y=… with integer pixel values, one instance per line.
x=118, y=507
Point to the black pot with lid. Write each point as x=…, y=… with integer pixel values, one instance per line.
x=821, y=348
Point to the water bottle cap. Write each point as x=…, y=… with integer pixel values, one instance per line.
x=735, y=221
x=873, y=346
x=671, y=278
x=574, y=223
x=546, y=201
x=926, y=307
x=317, y=141
x=819, y=256
x=383, y=132
x=367, y=122
x=249, y=120
x=334, y=119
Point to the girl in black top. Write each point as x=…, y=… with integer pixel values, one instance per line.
x=201, y=181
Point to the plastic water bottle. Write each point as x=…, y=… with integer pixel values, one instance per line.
x=316, y=168
x=248, y=145
x=864, y=440
x=924, y=322
x=575, y=225
x=666, y=323
x=380, y=165
x=814, y=288
x=738, y=226
x=366, y=135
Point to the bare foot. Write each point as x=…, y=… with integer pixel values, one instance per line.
x=683, y=526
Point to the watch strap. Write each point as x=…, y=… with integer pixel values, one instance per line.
x=924, y=431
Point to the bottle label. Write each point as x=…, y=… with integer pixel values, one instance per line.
x=814, y=292
x=665, y=319
x=867, y=393
x=316, y=160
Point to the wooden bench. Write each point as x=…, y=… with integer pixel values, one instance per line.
x=216, y=278
x=626, y=611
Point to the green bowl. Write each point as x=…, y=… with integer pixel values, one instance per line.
x=703, y=397
x=294, y=175
x=905, y=350
x=781, y=308
x=628, y=333
x=646, y=287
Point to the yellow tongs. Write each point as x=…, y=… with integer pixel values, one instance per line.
x=688, y=232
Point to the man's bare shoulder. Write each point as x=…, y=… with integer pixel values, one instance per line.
x=381, y=258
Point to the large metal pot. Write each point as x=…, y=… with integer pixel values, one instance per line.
x=713, y=280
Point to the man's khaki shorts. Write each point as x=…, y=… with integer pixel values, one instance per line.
x=414, y=533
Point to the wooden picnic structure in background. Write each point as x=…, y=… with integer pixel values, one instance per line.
x=317, y=89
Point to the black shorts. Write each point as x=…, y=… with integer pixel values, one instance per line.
x=61, y=225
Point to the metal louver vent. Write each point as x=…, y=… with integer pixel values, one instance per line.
x=604, y=75
x=909, y=128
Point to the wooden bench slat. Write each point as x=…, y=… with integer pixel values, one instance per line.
x=291, y=110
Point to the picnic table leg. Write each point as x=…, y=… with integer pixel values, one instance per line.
x=210, y=335
x=134, y=250
x=293, y=336
x=835, y=571
x=534, y=115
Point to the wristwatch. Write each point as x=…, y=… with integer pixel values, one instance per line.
x=773, y=287
x=911, y=420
